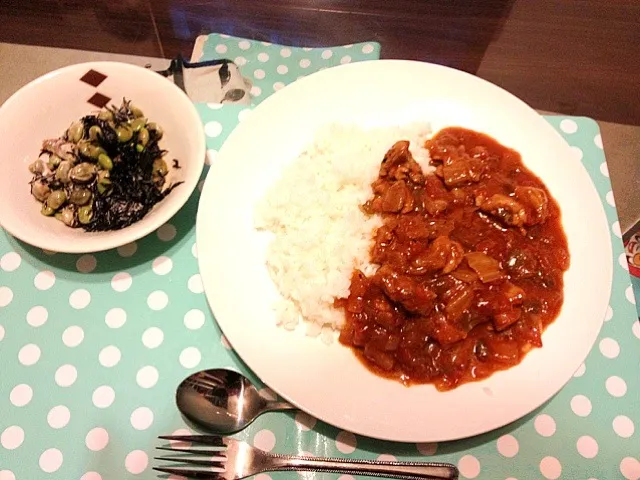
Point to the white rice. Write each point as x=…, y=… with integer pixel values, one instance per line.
x=320, y=233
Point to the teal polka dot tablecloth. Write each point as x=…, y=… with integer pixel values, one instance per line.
x=92, y=347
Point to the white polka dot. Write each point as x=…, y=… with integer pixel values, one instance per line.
x=550, y=468
x=609, y=347
x=624, y=263
x=21, y=395
x=37, y=316
x=368, y=48
x=580, y=371
x=469, y=466
x=121, y=282
x=194, y=250
x=6, y=295
x=167, y=232
x=615, y=228
x=630, y=468
x=305, y=63
x=195, y=283
x=58, y=417
x=508, y=446
x=214, y=106
x=285, y=52
x=128, y=250
x=348, y=46
x=581, y=405
x=91, y=476
x=141, y=418
x=10, y=261
x=157, y=300
x=345, y=59
x=577, y=152
x=115, y=318
x=7, y=475
x=259, y=74
x=263, y=57
x=278, y=85
x=386, y=457
x=244, y=114
x=12, y=437
x=587, y=446
x=136, y=462
x=568, y=126
x=225, y=343
x=326, y=54
x=609, y=314
x=44, y=280
x=256, y=91
x=1, y=332
x=86, y=264
x=598, y=141
x=213, y=128
x=427, y=449
x=50, y=460
x=635, y=328
x=79, y=299
x=66, y=375
x=109, y=356
x=162, y=265
x=346, y=442
x=604, y=169
x=211, y=156
x=239, y=61
x=261, y=476
x=305, y=422
x=29, y=354
x=103, y=396
x=545, y=425
x=194, y=319
x=623, y=426
x=221, y=48
x=178, y=443
x=152, y=337
x=282, y=69
x=73, y=336
x=630, y=295
x=616, y=386
x=244, y=44
x=147, y=376
x=610, y=198
x=190, y=357
x=264, y=440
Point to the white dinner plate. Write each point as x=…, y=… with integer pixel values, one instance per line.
x=327, y=381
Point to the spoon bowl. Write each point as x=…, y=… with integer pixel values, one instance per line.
x=223, y=401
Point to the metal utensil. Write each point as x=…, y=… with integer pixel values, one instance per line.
x=234, y=460
x=223, y=401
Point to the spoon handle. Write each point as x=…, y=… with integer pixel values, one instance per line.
x=375, y=468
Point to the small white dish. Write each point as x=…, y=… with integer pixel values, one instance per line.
x=46, y=107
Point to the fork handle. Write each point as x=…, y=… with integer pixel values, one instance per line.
x=372, y=468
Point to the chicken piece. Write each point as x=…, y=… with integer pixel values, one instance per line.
x=506, y=208
x=405, y=290
x=535, y=202
x=396, y=199
x=464, y=170
x=443, y=253
x=487, y=268
x=398, y=164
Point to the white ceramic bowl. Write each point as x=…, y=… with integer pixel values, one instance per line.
x=47, y=106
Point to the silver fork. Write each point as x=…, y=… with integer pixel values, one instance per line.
x=231, y=459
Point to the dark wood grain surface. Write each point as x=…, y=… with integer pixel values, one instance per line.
x=578, y=57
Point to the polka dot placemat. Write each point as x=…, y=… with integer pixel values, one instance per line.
x=93, y=346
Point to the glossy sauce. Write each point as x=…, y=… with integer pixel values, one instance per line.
x=471, y=261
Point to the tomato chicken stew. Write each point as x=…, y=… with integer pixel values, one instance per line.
x=471, y=261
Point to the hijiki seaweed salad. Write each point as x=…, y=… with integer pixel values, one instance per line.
x=105, y=172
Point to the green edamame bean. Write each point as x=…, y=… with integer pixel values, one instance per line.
x=143, y=137
x=138, y=123
x=105, y=161
x=56, y=199
x=137, y=113
x=46, y=210
x=80, y=196
x=75, y=132
x=95, y=133
x=124, y=133
x=85, y=214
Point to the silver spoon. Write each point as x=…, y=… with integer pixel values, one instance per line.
x=223, y=401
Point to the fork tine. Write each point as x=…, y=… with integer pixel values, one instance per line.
x=189, y=473
x=213, y=440
x=197, y=451
x=193, y=461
